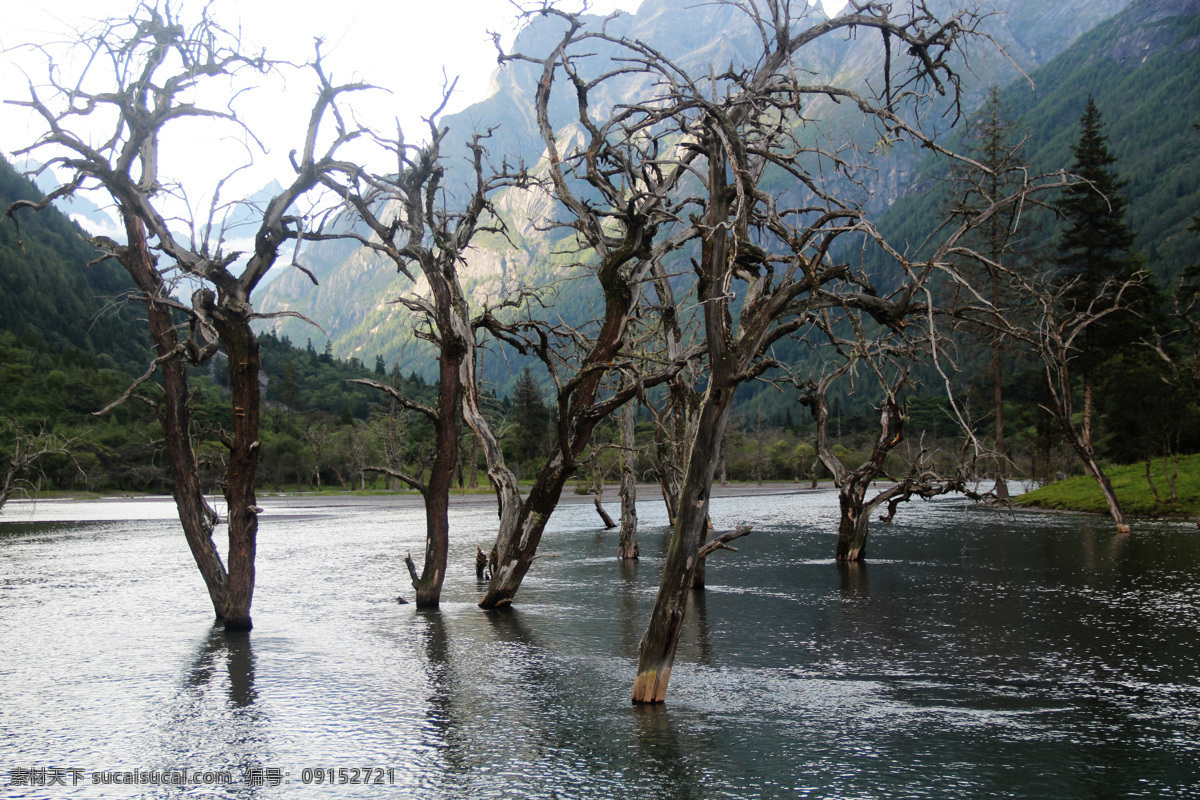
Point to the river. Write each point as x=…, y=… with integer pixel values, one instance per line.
x=977, y=654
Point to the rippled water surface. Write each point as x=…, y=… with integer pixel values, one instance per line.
x=976, y=655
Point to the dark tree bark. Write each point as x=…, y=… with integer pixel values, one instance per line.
x=627, y=547
x=1055, y=334
x=424, y=233
x=768, y=255
x=621, y=229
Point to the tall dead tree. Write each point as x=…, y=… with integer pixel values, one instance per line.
x=1056, y=333
x=426, y=234
x=765, y=267
x=154, y=70
x=613, y=200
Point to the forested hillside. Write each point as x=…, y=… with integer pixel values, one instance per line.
x=1141, y=68
x=52, y=295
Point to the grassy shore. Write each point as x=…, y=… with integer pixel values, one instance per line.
x=1081, y=493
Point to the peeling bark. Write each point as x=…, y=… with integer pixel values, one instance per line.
x=627, y=547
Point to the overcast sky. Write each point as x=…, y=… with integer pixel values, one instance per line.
x=402, y=46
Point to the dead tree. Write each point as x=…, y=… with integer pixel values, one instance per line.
x=24, y=452
x=424, y=234
x=1056, y=333
x=887, y=358
x=155, y=67
x=772, y=252
x=627, y=547
x=613, y=200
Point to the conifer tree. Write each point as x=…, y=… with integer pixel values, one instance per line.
x=531, y=418
x=1095, y=250
x=990, y=139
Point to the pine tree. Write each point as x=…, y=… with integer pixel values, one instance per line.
x=1095, y=250
x=531, y=418
x=990, y=143
x=1095, y=244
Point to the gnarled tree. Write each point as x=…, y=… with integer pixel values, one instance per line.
x=414, y=226
x=765, y=267
x=153, y=69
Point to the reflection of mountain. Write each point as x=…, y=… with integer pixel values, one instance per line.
x=352, y=301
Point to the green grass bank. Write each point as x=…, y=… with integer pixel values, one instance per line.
x=1081, y=493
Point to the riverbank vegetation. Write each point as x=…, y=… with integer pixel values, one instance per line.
x=1156, y=487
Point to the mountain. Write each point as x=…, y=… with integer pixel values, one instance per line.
x=1142, y=68
x=352, y=302
x=50, y=296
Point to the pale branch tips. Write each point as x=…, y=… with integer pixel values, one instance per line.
x=416, y=227
x=768, y=261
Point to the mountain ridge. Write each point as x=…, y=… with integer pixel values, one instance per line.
x=352, y=302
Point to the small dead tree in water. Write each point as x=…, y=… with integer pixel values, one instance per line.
x=24, y=451
x=890, y=364
x=154, y=69
x=888, y=358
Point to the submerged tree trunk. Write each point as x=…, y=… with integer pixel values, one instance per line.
x=516, y=545
x=627, y=547
x=854, y=524
x=174, y=415
x=998, y=410
x=241, y=346
x=656, y=653
x=604, y=515
x=441, y=479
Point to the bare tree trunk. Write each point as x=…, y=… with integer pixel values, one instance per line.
x=195, y=514
x=1150, y=481
x=627, y=547
x=998, y=406
x=516, y=545
x=854, y=524
x=665, y=468
x=441, y=478
x=656, y=653
x=1106, y=488
x=604, y=515
x=241, y=346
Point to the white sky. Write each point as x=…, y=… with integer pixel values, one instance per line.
x=399, y=45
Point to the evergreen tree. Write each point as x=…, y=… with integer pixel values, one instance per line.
x=380, y=367
x=531, y=418
x=1095, y=250
x=1096, y=242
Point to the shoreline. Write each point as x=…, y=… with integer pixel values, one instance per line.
x=469, y=498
